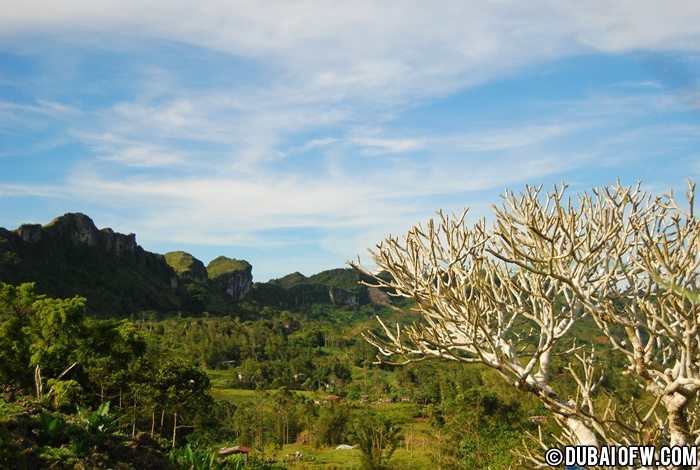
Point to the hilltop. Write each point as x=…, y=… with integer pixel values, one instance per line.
x=338, y=287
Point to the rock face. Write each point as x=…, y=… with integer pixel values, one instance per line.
x=236, y=284
x=30, y=233
x=232, y=276
x=80, y=230
x=187, y=266
x=343, y=297
x=71, y=256
x=117, y=243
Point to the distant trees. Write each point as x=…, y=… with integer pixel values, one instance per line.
x=332, y=425
x=508, y=294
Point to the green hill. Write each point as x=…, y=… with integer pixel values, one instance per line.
x=223, y=265
x=186, y=265
x=339, y=287
x=70, y=256
x=290, y=280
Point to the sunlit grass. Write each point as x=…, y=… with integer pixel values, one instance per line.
x=413, y=453
x=330, y=458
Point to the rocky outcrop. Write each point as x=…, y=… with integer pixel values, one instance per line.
x=187, y=266
x=77, y=227
x=379, y=297
x=232, y=276
x=117, y=243
x=343, y=297
x=30, y=233
x=71, y=256
x=80, y=230
x=235, y=284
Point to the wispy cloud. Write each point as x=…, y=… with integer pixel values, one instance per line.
x=251, y=117
x=381, y=146
x=386, y=49
x=145, y=156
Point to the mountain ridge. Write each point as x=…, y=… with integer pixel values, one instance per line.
x=70, y=256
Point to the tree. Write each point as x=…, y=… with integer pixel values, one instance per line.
x=117, y=357
x=508, y=295
x=15, y=311
x=39, y=333
x=184, y=390
x=377, y=438
x=331, y=425
x=476, y=430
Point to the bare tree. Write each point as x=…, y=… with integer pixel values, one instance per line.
x=508, y=295
x=652, y=298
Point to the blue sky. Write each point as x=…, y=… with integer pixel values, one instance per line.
x=298, y=134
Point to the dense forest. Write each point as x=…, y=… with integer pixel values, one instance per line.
x=158, y=390
x=169, y=390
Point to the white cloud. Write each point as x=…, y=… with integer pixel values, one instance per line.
x=42, y=107
x=145, y=156
x=390, y=49
x=380, y=146
x=514, y=137
x=332, y=76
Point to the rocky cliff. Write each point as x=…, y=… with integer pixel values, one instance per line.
x=80, y=230
x=339, y=287
x=211, y=288
x=232, y=276
x=186, y=266
x=71, y=256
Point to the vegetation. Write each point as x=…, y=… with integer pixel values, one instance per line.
x=184, y=264
x=122, y=392
x=114, y=285
x=377, y=439
x=286, y=380
x=223, y=265
x=347, y=279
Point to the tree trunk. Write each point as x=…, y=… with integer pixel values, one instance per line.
x=584, y=435
x=174, y=428
x=153, y=422
x=133, y=422
x=677, y=419
x=37, y=382
x=162, y=420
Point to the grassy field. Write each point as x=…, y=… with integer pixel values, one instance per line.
x=414, y=452
x=330, y=458
x=234, y=395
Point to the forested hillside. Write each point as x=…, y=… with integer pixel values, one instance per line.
x=70, y=256
x=158, y=392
